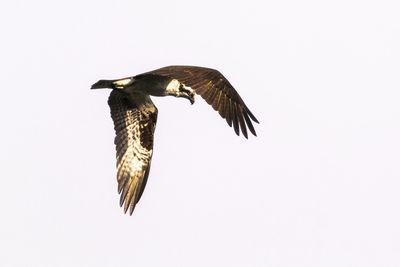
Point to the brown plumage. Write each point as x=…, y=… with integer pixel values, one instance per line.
x=135, y=116
x=217, y=91
x=134, y=124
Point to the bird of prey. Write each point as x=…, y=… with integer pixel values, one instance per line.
x=135, y=116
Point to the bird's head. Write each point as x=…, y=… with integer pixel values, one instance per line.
x=178, y=89
x=187, y=92
x=113, y=84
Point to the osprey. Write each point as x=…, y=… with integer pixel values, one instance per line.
x=135, y=116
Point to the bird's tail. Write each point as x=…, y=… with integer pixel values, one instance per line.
x=103, y=84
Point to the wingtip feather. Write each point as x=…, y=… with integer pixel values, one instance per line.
x=249, y=124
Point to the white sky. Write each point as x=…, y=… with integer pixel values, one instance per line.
x=319, y=186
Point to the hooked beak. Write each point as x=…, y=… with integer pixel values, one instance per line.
x=190, y=97
x=188, y=93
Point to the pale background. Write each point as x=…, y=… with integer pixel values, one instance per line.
x=319, y=186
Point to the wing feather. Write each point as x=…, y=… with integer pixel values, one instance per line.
x=235, y=118
x=247, y=119
x=217, y=101
x=221, y=107
x=217, y=91
x=228, y=111
x=134, y=124
x=241, y=120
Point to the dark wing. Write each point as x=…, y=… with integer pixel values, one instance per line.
x=217, y=91
x=134, y=124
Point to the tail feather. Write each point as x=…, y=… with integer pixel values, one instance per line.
x=103, y=84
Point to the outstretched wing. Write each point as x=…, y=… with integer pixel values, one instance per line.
x=217, y=91
x=134, y=124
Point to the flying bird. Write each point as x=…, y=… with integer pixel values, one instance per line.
x=135, y=116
